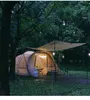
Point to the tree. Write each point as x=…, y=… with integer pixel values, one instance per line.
x=4, y=46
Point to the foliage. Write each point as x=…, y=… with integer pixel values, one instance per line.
x=42, y=22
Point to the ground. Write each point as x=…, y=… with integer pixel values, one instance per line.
x=67, y=84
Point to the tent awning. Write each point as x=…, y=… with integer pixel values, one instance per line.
x=58, y=45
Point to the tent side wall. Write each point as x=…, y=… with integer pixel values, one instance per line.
x=21, y=64
x=31, y=65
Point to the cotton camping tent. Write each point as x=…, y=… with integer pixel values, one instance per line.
x=41, y=62
x=35, y=63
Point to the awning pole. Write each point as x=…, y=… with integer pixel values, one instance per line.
x=54, y=72
x=87, y=68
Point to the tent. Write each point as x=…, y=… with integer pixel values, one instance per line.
x=35, y=63
x=41, y=61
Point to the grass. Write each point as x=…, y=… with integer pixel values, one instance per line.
x=28, y=86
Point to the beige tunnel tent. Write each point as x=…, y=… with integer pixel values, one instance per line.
x=40, y=63
x=35, y=63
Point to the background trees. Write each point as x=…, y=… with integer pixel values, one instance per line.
x=66, y=21
x=36, y=23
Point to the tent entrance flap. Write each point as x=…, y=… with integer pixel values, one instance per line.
x=41, y=64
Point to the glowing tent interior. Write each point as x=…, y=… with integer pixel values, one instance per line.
x=35, y=63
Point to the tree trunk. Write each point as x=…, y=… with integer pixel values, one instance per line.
x=5, y=30
x=14, y=45
x=4, y=47
x=12, y=61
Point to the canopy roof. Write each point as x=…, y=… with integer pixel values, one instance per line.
x=58, y=45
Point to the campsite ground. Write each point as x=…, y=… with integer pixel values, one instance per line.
x=71, y=83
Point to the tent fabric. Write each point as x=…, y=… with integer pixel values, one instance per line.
x=35, y=64
x=21, y=63
x=58, y=45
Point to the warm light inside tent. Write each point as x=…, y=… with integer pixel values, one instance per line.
x=43, y=56
x=53, y=53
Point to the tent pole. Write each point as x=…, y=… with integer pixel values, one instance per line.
x=47, y=62
x=35, y=62
x=59, y=60
x=86, y=64
x=55, y=65
x=54, y=72
x=87, y=73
